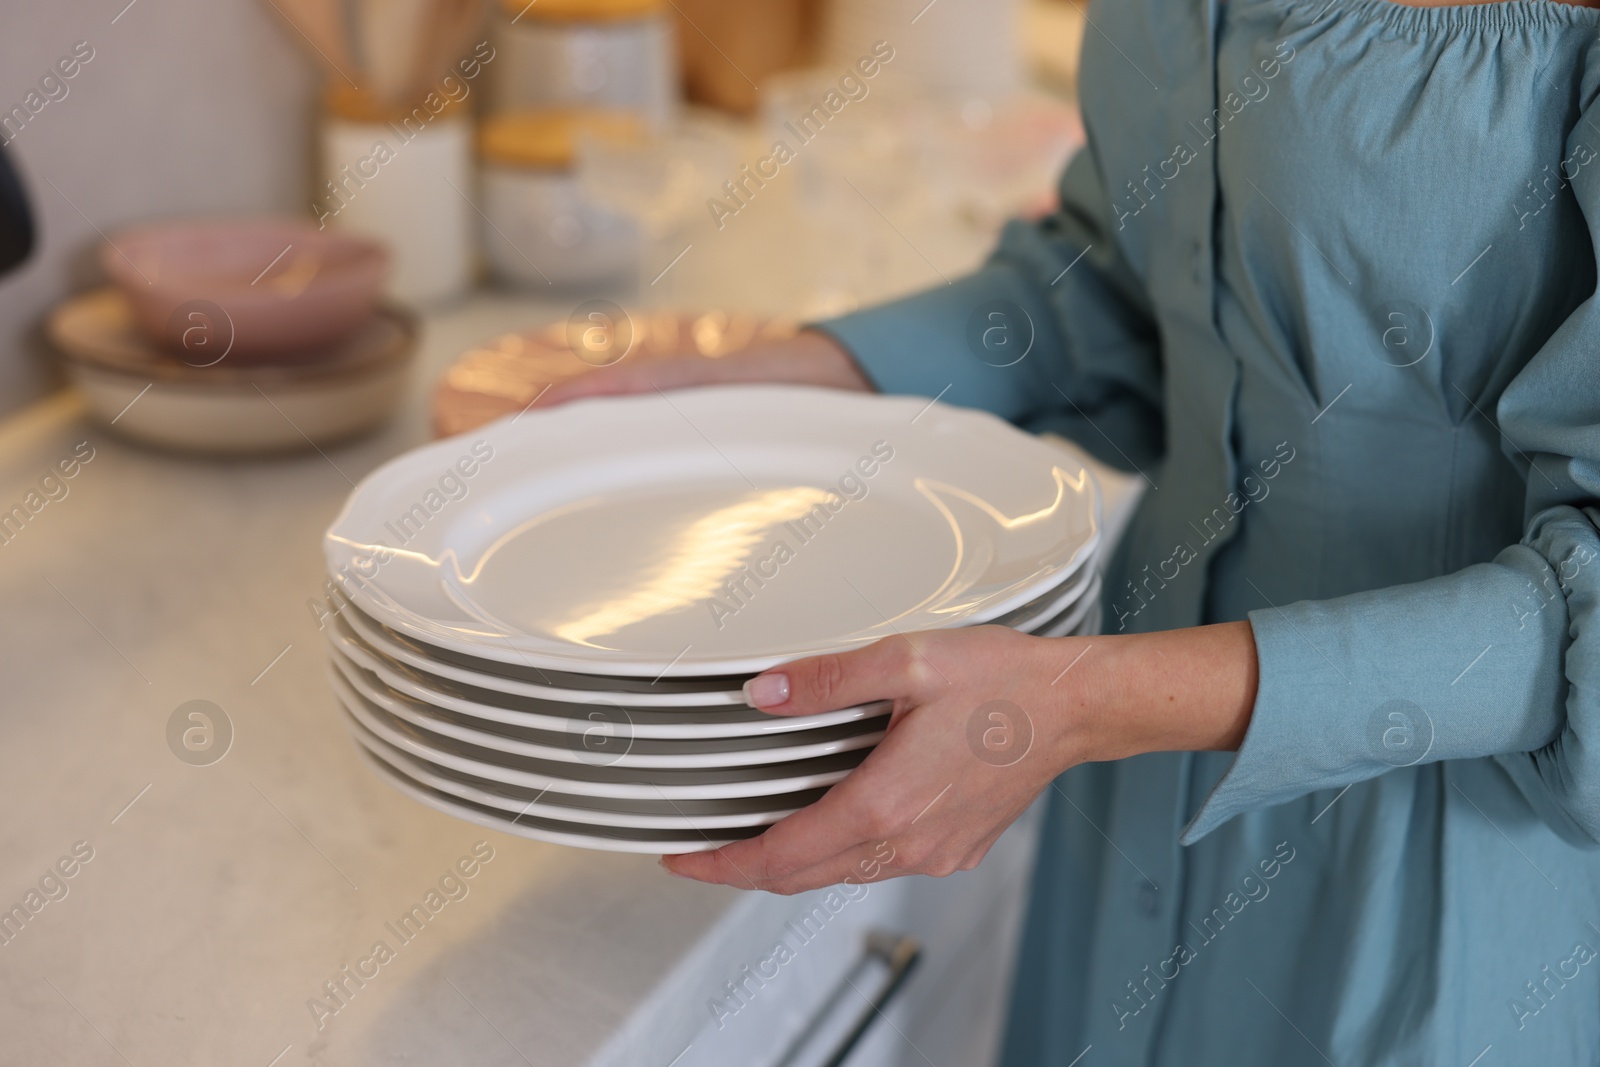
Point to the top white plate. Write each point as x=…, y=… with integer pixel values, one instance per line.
x=711, y=531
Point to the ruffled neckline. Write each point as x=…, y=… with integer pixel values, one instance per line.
x=1492, y=17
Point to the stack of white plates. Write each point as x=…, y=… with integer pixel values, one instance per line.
x=544, y=626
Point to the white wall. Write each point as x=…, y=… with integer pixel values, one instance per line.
x=188, y=107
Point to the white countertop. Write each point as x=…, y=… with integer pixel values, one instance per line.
x=219, y=899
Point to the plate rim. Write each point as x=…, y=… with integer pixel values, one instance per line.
x=608, y=790
x=335, y=543
x=719, y=698
x=371, y=743
x=628, y=760
x=768, y=726
x=551, y=837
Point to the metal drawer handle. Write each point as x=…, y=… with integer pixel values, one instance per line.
x=900, y=954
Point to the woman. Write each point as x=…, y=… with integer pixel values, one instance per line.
x=1326, y=277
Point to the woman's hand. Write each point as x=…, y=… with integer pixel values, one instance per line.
x=984, y=719
x=808, y=358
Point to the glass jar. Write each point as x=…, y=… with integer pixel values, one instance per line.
x=539, y=227
x=611, y=54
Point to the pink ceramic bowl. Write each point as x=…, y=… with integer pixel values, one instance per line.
x=250, y=291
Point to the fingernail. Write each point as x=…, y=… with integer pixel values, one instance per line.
x=665, y=866
x=767, y=690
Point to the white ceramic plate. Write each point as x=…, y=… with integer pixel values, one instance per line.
x=535, y=683
x=1041, y=612
x=711, y=531
x=1088, y=627
x=582, y=779
x=637, y=814
x=701, y=687
x=1074, y=617
x=525, y=681
x=608, y=740
x=534, y=713
x=577, y=835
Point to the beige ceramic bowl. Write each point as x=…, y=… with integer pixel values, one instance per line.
x=247, y=290
x=152, y=396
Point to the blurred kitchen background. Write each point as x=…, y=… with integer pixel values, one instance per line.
x=582, y=143
x=261, y=226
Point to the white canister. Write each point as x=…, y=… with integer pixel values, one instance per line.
x=956, y=49
x=614, y=54
x=538, y=227
x=402, y=176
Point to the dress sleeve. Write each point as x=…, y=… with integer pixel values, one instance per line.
x=1054, y=332
x=1500, y=660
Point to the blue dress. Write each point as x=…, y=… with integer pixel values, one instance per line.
x=1325, y=276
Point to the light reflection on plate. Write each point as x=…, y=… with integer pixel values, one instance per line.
x=717, y=531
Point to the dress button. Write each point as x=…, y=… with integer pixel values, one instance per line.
x=1146, y=898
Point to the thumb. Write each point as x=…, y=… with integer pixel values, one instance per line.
x=881, y=671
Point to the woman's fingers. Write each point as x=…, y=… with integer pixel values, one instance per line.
x=625, y=378
x=873, y=814
x=858, y=866
x=777, y=861
x=926, y=800
x=808, y=358
x=591, y=383
x=805, y=839
x=891, y=669
x=861, y=863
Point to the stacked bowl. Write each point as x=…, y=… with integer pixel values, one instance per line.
x=237, y=336
x=543, y=626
